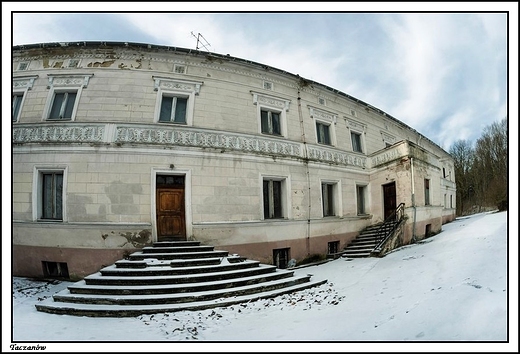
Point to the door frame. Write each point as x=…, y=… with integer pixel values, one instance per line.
x=384, y=196
x=187, y=199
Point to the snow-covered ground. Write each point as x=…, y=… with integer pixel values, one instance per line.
x=454, y=291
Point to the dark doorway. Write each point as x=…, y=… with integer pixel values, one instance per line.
x=170, y=209
x=389, y=199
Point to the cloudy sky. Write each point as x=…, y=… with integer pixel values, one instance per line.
x=443, y=73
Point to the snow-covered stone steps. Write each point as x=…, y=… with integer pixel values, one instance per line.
x=177, y=255
x=237, y=288
x=83, y=288
x=184, y=249
x=100, y=279
x=96, y=310
x=176, y=244
x=153, y=262
x=160, y=270
x=173, y=276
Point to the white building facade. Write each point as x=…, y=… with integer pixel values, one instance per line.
x=118, y=145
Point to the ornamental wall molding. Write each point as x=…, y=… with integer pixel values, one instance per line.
x=205, y=139
x=139, y=135
x=59, y=134
x=68, y=80
x=25, y=82
x=166, y=83
x=355, y=125
x=322, y=115
x=387, y=137
x=272, y=101
x=385, y=157
x=335, y=157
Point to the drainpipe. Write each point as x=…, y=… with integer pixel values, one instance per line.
x=413, y=202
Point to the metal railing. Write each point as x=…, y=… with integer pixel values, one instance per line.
x=389, y=226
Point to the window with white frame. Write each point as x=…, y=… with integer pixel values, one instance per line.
x=357, y=133
x=175, y=100
x=273, y=198
x=325, y=125
x=51, y=195
x=271, y=113
x=64, y=94
x=426, y=192
x=356, y=141
x=270, y=122
x=63, y=104
x=16, y=105
x=361, y=196
x=173, y=109
x=328, y=191
x=323, y=133
x=21, y=85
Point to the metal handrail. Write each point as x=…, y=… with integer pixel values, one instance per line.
x=383, y=232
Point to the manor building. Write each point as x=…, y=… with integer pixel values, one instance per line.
x=116, y=146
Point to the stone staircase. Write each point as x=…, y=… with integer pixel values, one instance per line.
x=173, y=276
x=366, y=241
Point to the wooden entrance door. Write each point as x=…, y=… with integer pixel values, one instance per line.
x=170, y=209
x=389, y=199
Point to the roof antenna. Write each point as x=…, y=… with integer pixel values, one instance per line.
x=199, y=36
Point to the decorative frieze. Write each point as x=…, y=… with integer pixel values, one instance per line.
x=203, y=139
x=335, y=157
x=355, y=125
x=58, y=134
x=122, y=134
x=266, y=100
x=178, y=85
x=323, y=115
x=25, y=82
x=76, y=80
x=387, y=137
x=387, y=156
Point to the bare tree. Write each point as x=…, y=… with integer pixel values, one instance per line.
x=481, y=172
x=491, y=165
x=463, y=156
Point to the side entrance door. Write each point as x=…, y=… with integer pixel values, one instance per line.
x=170, y=208
x=389, y=199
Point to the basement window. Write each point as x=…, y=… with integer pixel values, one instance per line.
x=428, y=231
x=57, y=270
x=281, y=257
x=333, y=247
